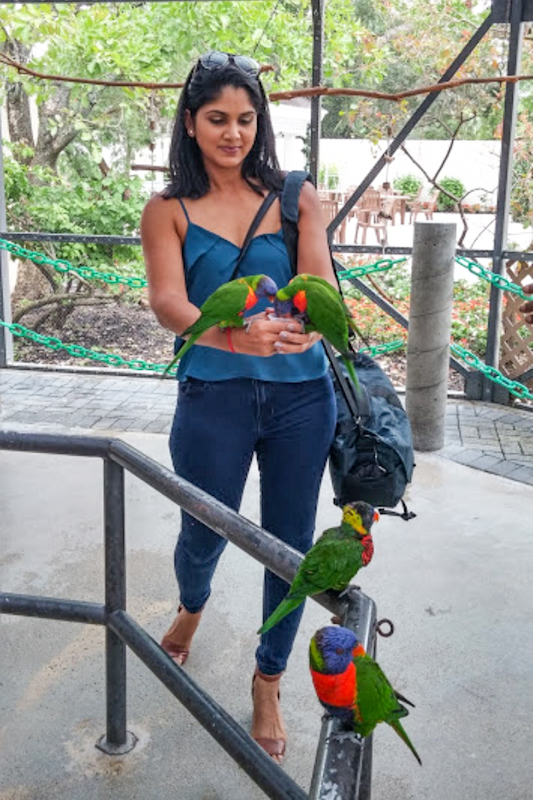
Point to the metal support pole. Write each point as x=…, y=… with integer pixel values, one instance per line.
x=118, y=739
x=6, y=339
x=428, y=342
x=220, y=725
x=510, y=113
x=317, y=7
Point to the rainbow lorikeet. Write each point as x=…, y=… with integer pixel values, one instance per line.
x=226, y=307
x=333, y=560
x=352, y=686
x=321, y=308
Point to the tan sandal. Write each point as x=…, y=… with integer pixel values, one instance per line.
x=178, y=653
x=274, y=747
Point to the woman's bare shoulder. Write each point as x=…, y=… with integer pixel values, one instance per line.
x=309, y=201
x=162, y=212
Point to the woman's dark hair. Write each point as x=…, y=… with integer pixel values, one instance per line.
x=260, y=168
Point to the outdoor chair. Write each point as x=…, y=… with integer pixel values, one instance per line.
x=330, y=209
x=369, y=214
x=424, y=203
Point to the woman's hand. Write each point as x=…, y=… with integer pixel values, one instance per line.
x=527, y=308
x=267, y=336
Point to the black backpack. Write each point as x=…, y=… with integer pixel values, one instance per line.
x=372, y=455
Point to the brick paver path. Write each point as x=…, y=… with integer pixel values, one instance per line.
x=488, y=437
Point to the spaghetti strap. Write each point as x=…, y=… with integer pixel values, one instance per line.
x=184, y=209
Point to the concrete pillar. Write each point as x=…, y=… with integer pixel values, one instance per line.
x=428, y=343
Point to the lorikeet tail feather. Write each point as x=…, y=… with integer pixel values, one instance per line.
x=181, y=352
x=285, y=607
x=402, y=734
x=351, y=371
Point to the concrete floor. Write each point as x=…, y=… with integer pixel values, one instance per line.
x=456, y=582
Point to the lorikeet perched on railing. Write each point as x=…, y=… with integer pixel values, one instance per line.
x=352, y=686
x=226, y=308
x=333, y=560
x=321, y=308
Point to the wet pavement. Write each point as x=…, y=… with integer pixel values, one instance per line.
x=456, y=582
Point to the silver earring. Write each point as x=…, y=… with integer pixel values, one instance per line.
x=191, y=133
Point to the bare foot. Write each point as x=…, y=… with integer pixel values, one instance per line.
x=178, y=639
x=268, y=728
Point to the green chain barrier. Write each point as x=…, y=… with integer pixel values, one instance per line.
x=138, y=364
x=379, y=266
x=82, y=352
x=514, y=387
x=61, y=265
x=381, y=349
x=497, y=280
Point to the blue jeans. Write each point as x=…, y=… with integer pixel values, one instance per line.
x=217, y=427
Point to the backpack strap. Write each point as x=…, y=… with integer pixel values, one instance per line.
x=263, y=208
x=289, y=200
x=290, y=195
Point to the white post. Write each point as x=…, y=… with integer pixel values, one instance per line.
x=428, y=342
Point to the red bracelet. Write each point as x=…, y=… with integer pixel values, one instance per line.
x=230, y=343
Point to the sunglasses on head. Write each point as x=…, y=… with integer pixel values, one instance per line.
x=217, y=60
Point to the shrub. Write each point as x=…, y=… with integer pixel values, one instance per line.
x=469, y=315
x=408, y=184
x=455, y=187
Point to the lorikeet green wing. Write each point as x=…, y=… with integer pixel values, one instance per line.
x=377, y=701
x=333, y=560
x=323, y=310
x=226, y=308
x=348, y=314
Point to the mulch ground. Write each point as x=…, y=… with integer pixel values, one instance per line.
x=133, y=332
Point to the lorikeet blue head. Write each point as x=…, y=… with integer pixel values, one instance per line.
x=335, y=645
x=284, y=308
x=266, y=288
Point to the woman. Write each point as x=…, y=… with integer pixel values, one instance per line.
x=261, y=389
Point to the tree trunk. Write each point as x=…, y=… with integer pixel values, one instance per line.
x=18, y=103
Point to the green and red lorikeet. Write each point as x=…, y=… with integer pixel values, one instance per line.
x=333, y=560
x=352, y=686
x=226, y=307
x=321, y=308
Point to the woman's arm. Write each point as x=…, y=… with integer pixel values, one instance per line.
x=313, y=251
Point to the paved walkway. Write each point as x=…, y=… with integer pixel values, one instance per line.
x=492, y=438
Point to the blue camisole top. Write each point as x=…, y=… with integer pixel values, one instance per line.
x=209, y=261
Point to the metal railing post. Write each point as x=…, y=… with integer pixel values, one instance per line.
x=343, y=767
x=118, y=739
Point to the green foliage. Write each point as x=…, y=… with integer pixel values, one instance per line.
x=456, y=187
x=39, y=199
x=408, y=184
x=469, y=313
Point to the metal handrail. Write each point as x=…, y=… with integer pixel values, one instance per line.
x=345, y=764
